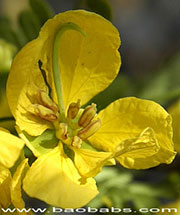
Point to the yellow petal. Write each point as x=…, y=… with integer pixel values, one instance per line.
x=16, y=190
x=5, y=180
x=4, y=130
x=137, y=152
x=22, y=89
x=89, y=163
x=85, y=63
x=111, y=162
x=11, y=147
x=5, y=111
x=126, y=118
x=54, y=179
x=174, y=110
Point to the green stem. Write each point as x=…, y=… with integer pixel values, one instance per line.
x=4, y=119
x=56, y=64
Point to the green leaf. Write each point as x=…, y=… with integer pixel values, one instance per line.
x=112, y=185
x=164, y=85
x=174, y=181
x=7, y=33
x=149, y=190
x=142, y=189
x=29, y=24
x=7, y=52
x=119, y=181
x=141, y=201
x=118, y=189
x=40, y=144
x=42, y=10
x=101, y=7
x=96, y=202
x=3, y=79
x=106, y=174
x=117, y=201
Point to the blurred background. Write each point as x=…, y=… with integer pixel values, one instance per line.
x=150, y=51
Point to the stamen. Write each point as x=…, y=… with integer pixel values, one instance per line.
x=87, y=115
x=76, y=142
x=73, y=109
x=90, y=129
x=47, y=102
x=62, y=132
x=44, y=113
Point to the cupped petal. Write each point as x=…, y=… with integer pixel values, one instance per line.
x=126, y=119
x=89, y=163
x=53, y=178
x=85, y=62
x=5, y=180
x=174, y=110
x=137, y=152
x=24, y=83
x=16, y=187
x=5, y=111
x=11, y=147
x=88, y=64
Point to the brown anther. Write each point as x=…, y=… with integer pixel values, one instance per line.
x=87, y=115
x=45, y=113
x=73, y=109
x=90, y=129
x=62, y=132
x=47, y=101
x=76, y=142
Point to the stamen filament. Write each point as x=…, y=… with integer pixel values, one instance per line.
x=56, y=65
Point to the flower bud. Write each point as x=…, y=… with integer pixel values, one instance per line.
x=73, y=109
x=87, y=115
x=90, y=129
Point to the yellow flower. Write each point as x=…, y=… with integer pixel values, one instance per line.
x=5, y=112
x=74, y=58
x=11, y=147
x=4, y=108
x=10, y=188
x=174, y=110
x=144, y=123
x=5, y=180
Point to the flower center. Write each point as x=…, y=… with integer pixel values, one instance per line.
x=80, y=125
